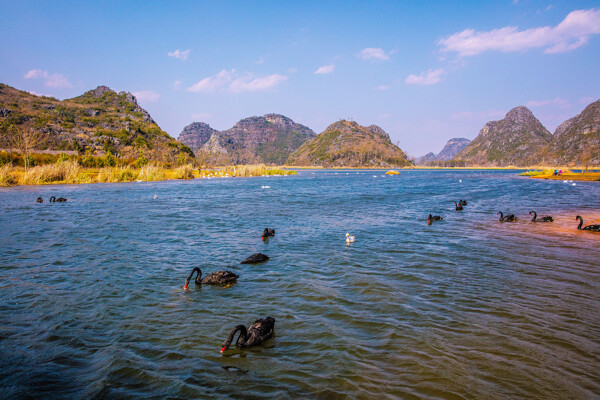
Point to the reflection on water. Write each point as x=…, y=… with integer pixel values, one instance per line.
x=92, y=306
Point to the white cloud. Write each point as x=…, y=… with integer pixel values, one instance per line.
x=201, y=116
x=325, y=69
x=51, y=80
x=587, y=100
x=176, y=84
x=572, y=33
x=249, y=83
x=213, y=83
x=558, y=102
x=292, y=70
x=180, y=54
x=426, y=78
x=373, y=54
x=383, y=87
x=236, y=83
x=478, y=115
x=146, y=95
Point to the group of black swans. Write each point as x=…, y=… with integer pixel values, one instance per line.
x=261, y=329
x=512, y=218
x=52, y=200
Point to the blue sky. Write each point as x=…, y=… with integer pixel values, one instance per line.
x=423, y=71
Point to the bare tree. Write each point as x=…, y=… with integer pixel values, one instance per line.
x=586, y=156
x=22, y=140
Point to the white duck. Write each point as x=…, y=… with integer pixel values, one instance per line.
x=349, y=239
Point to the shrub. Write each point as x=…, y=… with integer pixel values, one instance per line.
x=184, y=172
x=68, y=172
x=141, y=161
x=7, y=177
x=117, y=174
x=109, y=160
x=62, y=157
x=151, y=173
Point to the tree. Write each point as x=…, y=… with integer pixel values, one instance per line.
x=22, y=140
x=586, y=156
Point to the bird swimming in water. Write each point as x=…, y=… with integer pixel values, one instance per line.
x=257, y=333
x=255, y=258
x=215, y=278
x=39, y=200
x=268, y=232
x=349, y=239
x=508, y=218
x=432, y=218
x=540, y=219
x=155, y=196
x=591, y=228
x=458, y=207
x=59, y=200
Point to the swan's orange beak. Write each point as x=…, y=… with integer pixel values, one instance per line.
x=263, y=238
x=223, y=349
x=185, y=286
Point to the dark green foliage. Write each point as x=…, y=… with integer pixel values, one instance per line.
x=62, y=157
x=141, y=160
x=109, y=160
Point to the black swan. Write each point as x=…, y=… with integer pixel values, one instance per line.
x=39, y=200
x=215, y=278
x=255, y=258
x=592, y=228
x=59, y=200
x=458, y=206
x=508, y=218
x=432, y=218
x=268, y=232
x=541, y=219
x=258, y=332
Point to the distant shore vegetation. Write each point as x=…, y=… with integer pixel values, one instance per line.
x=40, y=169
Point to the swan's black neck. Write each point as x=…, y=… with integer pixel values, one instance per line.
x=52, y=199
x=534, y=215
x=501, y=215
x=198, y=277
x=241, y=339
x=580, y=222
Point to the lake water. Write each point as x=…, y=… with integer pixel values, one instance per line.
x=92, y=306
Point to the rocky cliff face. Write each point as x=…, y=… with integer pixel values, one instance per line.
x=268, y=139
x=196, y=135
x=450, y=150
x=97, y=121
x=348, y=144
x=577, y=140
x=519, y=139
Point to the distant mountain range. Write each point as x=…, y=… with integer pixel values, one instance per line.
x=348, y=144
x=102, y=120
x=268, y=139
x=450, y=150
x=97, y=121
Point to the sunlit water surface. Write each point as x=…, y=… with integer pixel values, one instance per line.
x=92, y=306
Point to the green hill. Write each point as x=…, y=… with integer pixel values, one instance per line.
x=348, y=144
x=98, y=121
